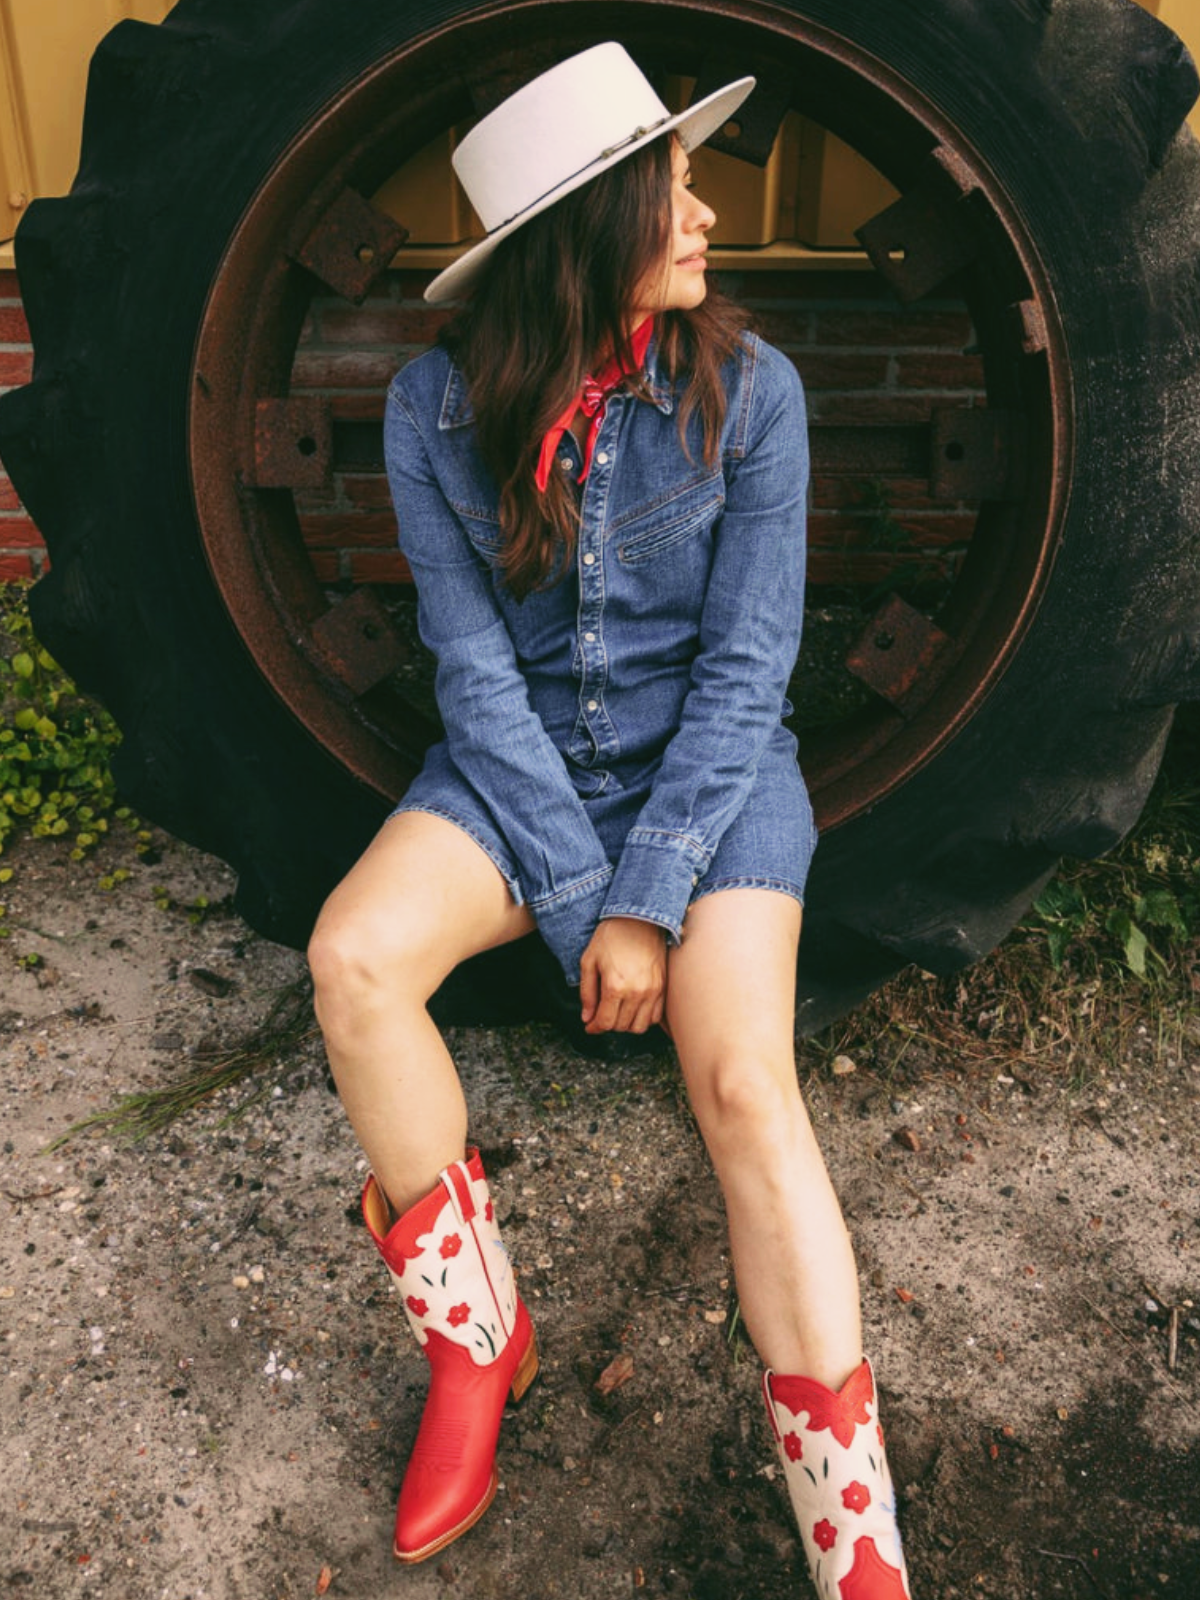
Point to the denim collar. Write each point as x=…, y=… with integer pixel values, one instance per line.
x=456, y=409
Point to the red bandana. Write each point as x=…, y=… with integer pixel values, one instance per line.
x=591, y=400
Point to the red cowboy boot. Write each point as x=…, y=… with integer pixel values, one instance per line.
x=831, y=1446
x=454, y=1277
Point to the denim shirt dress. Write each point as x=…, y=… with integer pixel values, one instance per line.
x=614, y=742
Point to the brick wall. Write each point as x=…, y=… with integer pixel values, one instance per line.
x=22, y=553
x=863, y=361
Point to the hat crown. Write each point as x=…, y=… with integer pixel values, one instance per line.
x=553, y=129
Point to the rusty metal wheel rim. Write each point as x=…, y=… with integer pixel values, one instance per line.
x=251, y=443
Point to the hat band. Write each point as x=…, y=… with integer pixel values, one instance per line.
x=610, y=150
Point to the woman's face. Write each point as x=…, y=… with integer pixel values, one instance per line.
x=678, y=283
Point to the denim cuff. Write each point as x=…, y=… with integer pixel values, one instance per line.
x=568, y=921
x=655, y=879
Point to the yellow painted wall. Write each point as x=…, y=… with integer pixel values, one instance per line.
x=45, y=47
x=1184, y=17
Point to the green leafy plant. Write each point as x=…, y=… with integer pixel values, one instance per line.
x=55, y=744
x=1137, y=909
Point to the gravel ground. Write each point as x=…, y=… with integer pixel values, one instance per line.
x=208, y=1390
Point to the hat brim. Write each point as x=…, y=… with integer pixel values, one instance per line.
x=694, y=126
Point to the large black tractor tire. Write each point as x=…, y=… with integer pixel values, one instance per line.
x=225, y=157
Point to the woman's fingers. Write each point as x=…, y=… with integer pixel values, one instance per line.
x=623, y=977
x=589, y=987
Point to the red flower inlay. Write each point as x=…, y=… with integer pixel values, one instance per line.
x=825, y=1534
x=489, y=1211
x=856, y=1498
x=450, y=1246
x=417, y=1307
x=457, y=1315
x=792, y=1447
x=879, y=1431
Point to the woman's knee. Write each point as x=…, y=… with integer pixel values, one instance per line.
x=358, y=959
x=746, y=1105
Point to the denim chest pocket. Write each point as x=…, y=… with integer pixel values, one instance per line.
x=659, y=525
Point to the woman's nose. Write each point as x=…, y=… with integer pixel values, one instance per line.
x=703, y=218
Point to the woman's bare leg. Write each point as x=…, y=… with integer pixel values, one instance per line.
x=730, y=1006
x=421, y=899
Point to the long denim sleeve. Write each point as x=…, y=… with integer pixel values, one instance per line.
x=749, y=635
x=496, y=739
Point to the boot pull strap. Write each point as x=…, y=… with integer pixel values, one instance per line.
x=770, y=1399
x=457, y=1182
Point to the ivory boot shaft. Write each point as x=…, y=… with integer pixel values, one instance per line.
x=835, y=1465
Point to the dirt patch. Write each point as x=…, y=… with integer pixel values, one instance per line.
x=208, y=1391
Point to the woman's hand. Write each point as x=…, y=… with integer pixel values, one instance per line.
x=623, y=976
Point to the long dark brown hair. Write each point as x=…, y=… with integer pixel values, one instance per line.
x=553, y=296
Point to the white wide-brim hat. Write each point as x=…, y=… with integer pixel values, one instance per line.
x=559, y=132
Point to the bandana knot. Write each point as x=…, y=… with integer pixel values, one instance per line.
x=592, y=400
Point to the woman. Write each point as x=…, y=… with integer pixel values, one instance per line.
x=600, y=482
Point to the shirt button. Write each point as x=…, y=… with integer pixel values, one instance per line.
x=590, y=637
x=602, y=458
x=593, y=705
x=565, y=463
x=589, y=560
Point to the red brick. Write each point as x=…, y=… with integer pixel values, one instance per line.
x=316, y=499
x=10, y=289
x=16, y=366
x=951, y=329
x=326, y=565
x=915, y=371
x=785, y=327
x=945, y=528
x=19, y=533
x=912, y=493
x=411, y=283
x=345, y=530
x=367, y=491
x=842, y=371
x=849, y=492
x=862, y=531
x=366, y=406
x=13, y=568
x=9, y=499
x=889, y=409
x=347, y=369
x=13, y=327
x=384, y=324
x=830, y=567
x=379, y=566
